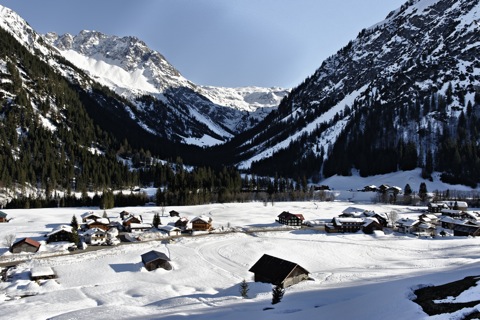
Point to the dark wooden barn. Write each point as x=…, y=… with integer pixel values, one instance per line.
x=153, y=260
x=277, y=271
x=465, y=230
x=25, y=245
x=290, y=219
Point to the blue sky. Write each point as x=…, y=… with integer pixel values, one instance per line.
x=220, y=42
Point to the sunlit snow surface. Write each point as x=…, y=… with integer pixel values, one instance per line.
x=354, y=276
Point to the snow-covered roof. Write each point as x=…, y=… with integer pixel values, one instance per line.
x=63, y=227
x=407, y=222
x=168, y=228
x=339, y=220
x=353, y=210
x=89, y=214
x=94, y=231
x=42, y=271
x=369, y=221
x=140, y=225
x=101, y=220
x=28, y=241
x=203, y=218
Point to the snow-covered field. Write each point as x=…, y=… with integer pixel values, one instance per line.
x=355, y=276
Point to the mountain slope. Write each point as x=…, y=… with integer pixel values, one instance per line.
x=404, y=93
x=177, y=109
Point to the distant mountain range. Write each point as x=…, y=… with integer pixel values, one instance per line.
x=132, y=70
x=404, y=94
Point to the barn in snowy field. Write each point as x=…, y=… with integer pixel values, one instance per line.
x=25, y=245
x=278, y=272
x=153, y=260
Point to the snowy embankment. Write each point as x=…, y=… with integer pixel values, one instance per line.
x=353, y=275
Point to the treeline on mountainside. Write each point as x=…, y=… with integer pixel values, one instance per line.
x=46, y=135
x=372, y=143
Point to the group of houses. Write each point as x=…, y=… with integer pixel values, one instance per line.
x=446, y=215
x=351, y=220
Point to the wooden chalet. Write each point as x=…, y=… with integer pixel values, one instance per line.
x=434, y=207
x=3, y=217
x=381, y=218
x=290, y=219
x=95, y=236
x=343, y=225
x=201, y=223
x=102, y=223
x=170, y=230
x=25, y=245
x=174, y=213
x=370, y=225
x=472, y=216
x=129, y=220
x=371, y=188
x=139, y=227
x=407, y=225
x=429, y=218
x=181, y=223
x=278, y=272
x=351, y=212
x=90, y=216
x=466, y=229
x=42, y=273
x=153, y=260
x=457, y=205
x=62, y=233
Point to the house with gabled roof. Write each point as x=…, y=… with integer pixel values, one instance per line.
x=102, y=223
x=465, y=229
x=278, y=272
x=170, y=230
x=407, y=225
x=139, y=227
x=290, y=219
x=25, y=245
x=201, y=223
x=131, y=219
x=153, y=260
x=95, y=236
x=62, y=233
x=181, y=223
x=90, y=215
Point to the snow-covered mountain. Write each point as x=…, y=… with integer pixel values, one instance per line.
x=405, y=92
x=128, y=67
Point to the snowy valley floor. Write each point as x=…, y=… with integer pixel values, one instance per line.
x=355, y=276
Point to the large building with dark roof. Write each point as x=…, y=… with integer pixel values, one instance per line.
x=278, y=272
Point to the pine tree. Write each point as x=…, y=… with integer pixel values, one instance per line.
x=244, y=289
x=156, y=220
x=422, y=191
x=74, y=223
x=277, y=294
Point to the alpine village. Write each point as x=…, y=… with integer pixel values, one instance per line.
x=155, y=202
